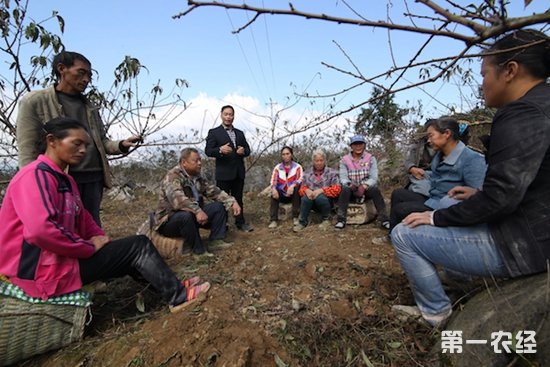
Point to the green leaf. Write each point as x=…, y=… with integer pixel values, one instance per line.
x=31, y=32
x=394, y=345
x=16, y=15
x=366, y=359
x=349, y=354
x=56, y=43
x=45, y=41
x=140, y=303
x=61, y=22
x=279, y=362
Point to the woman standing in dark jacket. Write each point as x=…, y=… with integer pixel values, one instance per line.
x=502, y=230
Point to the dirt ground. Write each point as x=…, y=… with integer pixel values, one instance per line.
x=317, y=298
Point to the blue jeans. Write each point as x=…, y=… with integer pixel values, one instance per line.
x=321, y=204
x=467, y=250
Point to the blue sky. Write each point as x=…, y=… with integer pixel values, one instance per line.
x=200, y=47
x=250, y=69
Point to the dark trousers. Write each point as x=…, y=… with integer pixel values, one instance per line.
x=184, y=224
x=321, y=204
x=294, y=199
x=91, y=194
x=372, y=193
x=405, y=202
x=135, y=256
x=234, y=188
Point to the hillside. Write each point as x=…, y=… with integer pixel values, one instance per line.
x=318, y=298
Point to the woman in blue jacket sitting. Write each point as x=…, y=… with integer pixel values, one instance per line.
x=454, y=164
x=502, y=229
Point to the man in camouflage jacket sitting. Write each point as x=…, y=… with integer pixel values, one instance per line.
x=181, y=208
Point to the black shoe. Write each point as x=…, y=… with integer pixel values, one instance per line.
x=245, y=228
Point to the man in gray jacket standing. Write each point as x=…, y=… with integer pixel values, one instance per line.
x=65, y=98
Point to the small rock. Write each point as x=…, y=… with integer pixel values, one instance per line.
x=296, y=305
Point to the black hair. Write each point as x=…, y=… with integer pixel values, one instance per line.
x=528, y=47
x=68, y=59
x=444, y=123
x=227, y=106
x=58, y=127
x=186, y=153
x=289, y=148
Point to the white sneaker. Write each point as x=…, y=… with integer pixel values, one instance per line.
x=340, y=225
x=273, y=224
x=413, y=311
x=438, y=320
x=296, y=221
x=429, y=320
x=298, y=227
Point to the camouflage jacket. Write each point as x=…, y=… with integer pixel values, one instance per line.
x=176, y=194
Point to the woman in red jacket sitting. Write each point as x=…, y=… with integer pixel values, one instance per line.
x=285, y=183
x=51, y=245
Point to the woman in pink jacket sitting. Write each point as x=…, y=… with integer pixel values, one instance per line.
x=50, y=244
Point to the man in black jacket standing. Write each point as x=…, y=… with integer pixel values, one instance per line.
x=228, y=145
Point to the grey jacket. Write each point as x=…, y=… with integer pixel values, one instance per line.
x=419, y=154
x=515, y=199
x=39, y=107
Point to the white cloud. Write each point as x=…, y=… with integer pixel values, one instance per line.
x=255, y=118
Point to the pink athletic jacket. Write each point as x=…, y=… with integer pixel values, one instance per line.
x=43, y=230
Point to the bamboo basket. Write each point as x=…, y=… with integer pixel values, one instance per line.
x=28, y=329
x=168, y=247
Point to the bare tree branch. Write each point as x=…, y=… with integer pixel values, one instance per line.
x=453, y=18
x=123, y=104
x=471, y=25
x=487, y=27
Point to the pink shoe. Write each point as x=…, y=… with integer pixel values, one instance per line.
x=191, y=282
x=196, y=293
